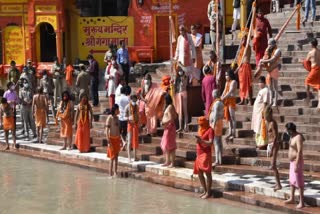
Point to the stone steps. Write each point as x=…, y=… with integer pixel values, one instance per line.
x=266, y=202
x=309, y=165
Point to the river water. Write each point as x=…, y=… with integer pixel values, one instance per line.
x=32, y=186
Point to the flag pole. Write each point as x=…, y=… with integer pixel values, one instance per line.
x=170, y=36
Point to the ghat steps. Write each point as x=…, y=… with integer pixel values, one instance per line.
x=241, y=157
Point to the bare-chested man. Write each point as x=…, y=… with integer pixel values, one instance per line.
x=40, y=110
x=272, y=62
x=114, y=139
x=273, y=139
x=312, y=64
x=296, y=178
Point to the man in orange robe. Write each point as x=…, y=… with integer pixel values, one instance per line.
x=245, y=73
x=203, y=163
x=132, y=115
x=7, y=122
x=154, y=103
x=114, y=139
x=40, y=109
x=65, y=113
x=83, y=124
x=312, y=64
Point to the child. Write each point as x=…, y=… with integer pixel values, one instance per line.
x=7, y=122
x=114, y=139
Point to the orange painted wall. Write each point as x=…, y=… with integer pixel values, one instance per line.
x=187, y=12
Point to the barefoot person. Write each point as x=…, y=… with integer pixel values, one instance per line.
x=296, y=178
x=216, y=123
x=229, y=99
x=114, y=139
x=132, y=114
x=312, y=64
x=273, y=139
x=65, y=113
x=203, y=163
x=181, y=99
x=168, y=141
x=7, y=122
x=152, y=95
x=40, y=111
x=245, y=73
x=83, y=124
x=258, y=123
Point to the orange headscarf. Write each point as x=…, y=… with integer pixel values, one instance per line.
x=165, y=82
x=203, y=125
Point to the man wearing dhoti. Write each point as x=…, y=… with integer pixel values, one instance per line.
x=273, y=65
x=114, y=139
x=245, y=73
x=7, y=122
x=258, y=122
x=66, y=114
x=312, y=64
x=203, y=163
x=215, y=115
x=296, y=177
x=40, y=111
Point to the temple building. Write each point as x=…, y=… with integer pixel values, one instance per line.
x=42, y=29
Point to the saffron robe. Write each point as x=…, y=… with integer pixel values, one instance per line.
x=245, y=80
x=82, y=139
x=114, y=148
x=204, y=154
x=41, y=117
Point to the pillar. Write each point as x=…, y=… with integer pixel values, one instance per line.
x=243, y=9
x=33, y=46
x=59, y=44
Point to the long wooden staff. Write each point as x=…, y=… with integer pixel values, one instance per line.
x=216, y=10
x=277, y=37
x=249, y=34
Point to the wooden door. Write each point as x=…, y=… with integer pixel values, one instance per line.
x=163, y=37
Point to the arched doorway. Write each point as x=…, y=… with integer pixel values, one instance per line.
x=46, y=42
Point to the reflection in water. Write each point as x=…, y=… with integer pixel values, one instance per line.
x=32, y=186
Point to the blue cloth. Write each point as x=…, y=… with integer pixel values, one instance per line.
x=307, y=9
x=123, y=56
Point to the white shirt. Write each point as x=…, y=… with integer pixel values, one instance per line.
x=118, y=91
x=112, y=79
x=122, y=102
